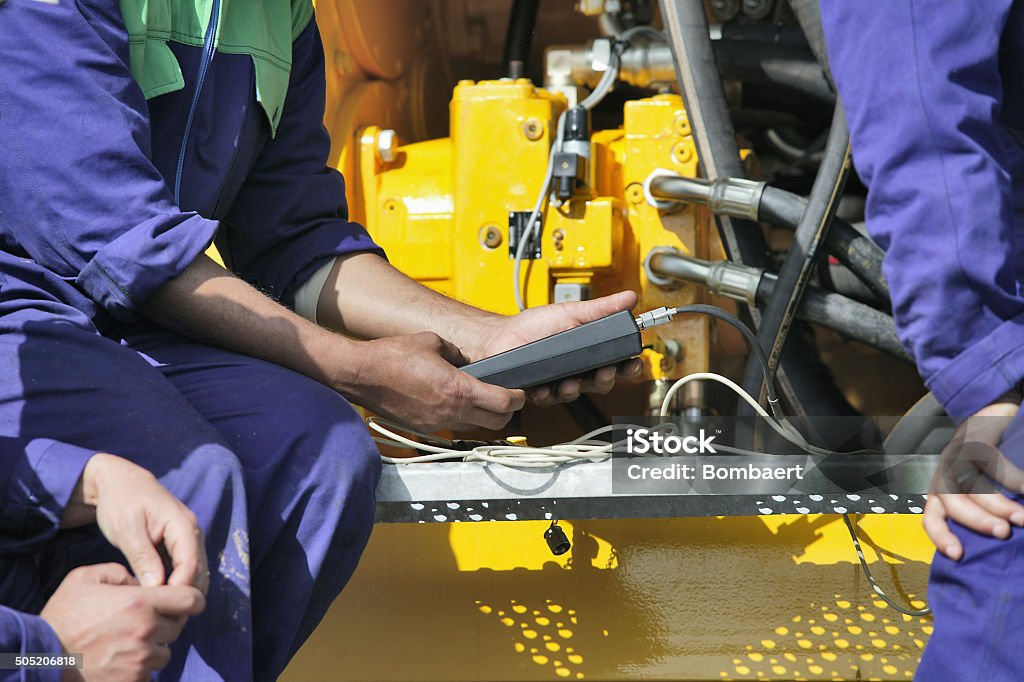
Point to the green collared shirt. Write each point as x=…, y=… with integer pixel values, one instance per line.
x=262, y=29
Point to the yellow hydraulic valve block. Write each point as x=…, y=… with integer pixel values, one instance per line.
x=441, y=209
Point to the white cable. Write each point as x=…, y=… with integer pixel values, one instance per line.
x=535, y=215
x=584, y=448
x=533, y=224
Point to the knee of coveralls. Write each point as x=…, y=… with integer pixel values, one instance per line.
x=978, y=601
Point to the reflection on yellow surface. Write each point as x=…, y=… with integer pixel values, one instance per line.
x=744, y=598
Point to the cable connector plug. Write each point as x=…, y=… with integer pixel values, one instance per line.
x=653, y=318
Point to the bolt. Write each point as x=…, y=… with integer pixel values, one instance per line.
x=681, y=126
x=558, y=236
x=532, y=129
x=387, y=143
x=635, y=193
x=682, y=153
x=490, y=236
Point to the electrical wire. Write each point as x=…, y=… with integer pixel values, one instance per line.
x=584, y=448
x=534, y=224
x=871, y=580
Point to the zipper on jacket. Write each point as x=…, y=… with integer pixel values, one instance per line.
x=204, y=65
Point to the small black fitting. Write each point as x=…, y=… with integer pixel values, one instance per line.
x=557, y=541
x=570, y=171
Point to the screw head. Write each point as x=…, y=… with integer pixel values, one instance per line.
x=490, y=236
x=533, y=129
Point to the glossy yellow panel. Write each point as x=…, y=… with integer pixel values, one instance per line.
x=747, y=598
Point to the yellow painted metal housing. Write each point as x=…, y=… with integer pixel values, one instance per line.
x=441, y=208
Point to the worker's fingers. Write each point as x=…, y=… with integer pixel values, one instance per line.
x=494, y=398
x=184, y=542
x=630, y=369
x=568, y=389
x=108, y=574
x=159, y=657
x=167, y=628
x=1004, y=472
x=544, y=395
x=132, y=537
x=599, y=381
x=965, y=510
x=937, y=528
x=495, y=421
x=581, y=312
x=1000, y=506
x=177, y=600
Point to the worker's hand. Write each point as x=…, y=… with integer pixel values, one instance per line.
x=536, y=323
x=963, y=488
x=140, y=517
x=121, y=629
x=414, y=379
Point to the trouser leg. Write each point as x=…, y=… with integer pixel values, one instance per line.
x=59, y=379
x=310, y=469
x=978, y=602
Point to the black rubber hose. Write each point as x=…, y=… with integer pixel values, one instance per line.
x=810, y=234
x=701, y=87
x=774, y=34
x=700, y=84
x=519, y=37
x=850, y=318
x=808, y=15
x=834, y=311
x=850, y=247
x=775, y=65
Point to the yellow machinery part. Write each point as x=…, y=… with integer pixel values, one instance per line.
x=441, y=208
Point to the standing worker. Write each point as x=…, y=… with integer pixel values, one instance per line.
x=934, y=95
x=132, y=135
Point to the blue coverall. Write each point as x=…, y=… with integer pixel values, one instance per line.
x=32, y=501
x=278, y=468
x=934, y=98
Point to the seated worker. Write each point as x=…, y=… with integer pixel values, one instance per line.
x=132, y=135
x=120, y=628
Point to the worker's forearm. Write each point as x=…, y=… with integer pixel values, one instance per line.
x=367, y=297
x=210, y=304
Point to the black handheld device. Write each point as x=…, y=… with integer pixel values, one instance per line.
x=575, y=351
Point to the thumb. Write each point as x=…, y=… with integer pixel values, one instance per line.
x=588, y=311
x=141, y=554
x=451, y=353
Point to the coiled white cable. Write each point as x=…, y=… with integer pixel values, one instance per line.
x=584, y=448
